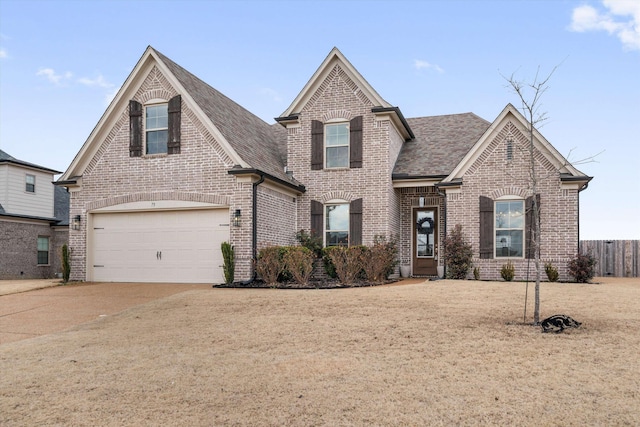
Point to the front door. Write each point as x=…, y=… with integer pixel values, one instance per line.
x=425, y=241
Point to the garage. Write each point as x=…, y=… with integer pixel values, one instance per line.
x=178, y=246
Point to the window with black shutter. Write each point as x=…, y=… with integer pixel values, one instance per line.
x=486, y=227
x=135, y=129
x=355, y=222
x=530, y=250
x=355, y=142
x=317, y=145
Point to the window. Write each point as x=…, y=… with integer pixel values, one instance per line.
x=337, y=145
x=337, y=225
x=509, y=228
x=509, y=149
x=43, y=250
x=157, y=128
x=30, y=184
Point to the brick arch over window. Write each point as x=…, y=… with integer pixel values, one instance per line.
x=157, y=196
x=156, y=94
x=337, y=114
x=337, y=195
x=519, y=192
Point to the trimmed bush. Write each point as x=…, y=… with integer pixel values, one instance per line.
x=457, y=254
x=508, y=271
x=380, y=259
x=229, y=265
x=311, y=242
x=347, y=262
x=552, y=272
x=298, y=261
x=270, y=265
x=66, y=265
x=582, y=268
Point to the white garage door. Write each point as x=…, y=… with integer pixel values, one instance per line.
x=166, y=246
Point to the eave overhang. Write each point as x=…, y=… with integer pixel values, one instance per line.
x=51, y=221
x=403, y=180
x=290, y=185
x=397, y=118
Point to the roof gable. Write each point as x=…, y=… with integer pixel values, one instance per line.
x=334, y=58
x=541, y=144
x=8, y=159
x=246, y=139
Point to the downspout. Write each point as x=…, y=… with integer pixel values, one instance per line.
x=584, y=187
x=254, y=230
x=444, y=196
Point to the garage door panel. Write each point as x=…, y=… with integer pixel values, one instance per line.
x=167, y=246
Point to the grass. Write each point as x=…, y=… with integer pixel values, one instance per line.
x=437, y=353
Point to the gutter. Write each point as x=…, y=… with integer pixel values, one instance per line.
x=400, y=116
x=584, y=187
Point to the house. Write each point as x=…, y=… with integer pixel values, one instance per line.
x=173, y=168
x=34, y=219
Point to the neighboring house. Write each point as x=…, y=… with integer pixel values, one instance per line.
x=34, y=219
x=174, y=168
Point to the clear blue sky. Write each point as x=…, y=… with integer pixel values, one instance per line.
x=61, y=62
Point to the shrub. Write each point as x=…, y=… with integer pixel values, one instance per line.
x=285, y=274
x=298, y=261
x=269, y=265
x=380, y=259
x=66, y=265
x=346, y=261
x=329, y=268
x=582, y=268
x=311, y=242
x=552, y=272
x=229, y=265
x=476, y=273
x=508, y=271
x=458, y=254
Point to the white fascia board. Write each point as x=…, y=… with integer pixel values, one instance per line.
x=408, y=183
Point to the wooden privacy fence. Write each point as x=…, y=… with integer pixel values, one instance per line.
x=620, y=258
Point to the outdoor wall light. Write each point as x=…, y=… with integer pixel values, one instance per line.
x=236, y=218
x=75, y=224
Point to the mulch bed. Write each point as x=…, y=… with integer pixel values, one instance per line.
x=313, y=284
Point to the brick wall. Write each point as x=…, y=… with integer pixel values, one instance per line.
x=19, y=250
x=492, y=175
x=339, y=97
x=198, y=173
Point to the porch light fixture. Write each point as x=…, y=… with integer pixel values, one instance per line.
x=236, y=218
x=75, y=224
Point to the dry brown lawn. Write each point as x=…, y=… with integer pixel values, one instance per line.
x=436, y=353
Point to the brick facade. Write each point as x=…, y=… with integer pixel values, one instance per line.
x=493, y=176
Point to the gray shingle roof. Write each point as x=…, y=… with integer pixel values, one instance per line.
x=261, y=145
x=6, y=158
x=61, y=205
x=440, y=143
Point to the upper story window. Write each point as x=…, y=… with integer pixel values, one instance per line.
x=337, y=224
x=509, y=228
x=156, y=128
x=337, y=145
x=43, y=250
x=30, y=186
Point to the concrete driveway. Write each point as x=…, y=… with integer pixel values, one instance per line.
x=30, y=308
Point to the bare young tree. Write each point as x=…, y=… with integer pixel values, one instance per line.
x=530, y=95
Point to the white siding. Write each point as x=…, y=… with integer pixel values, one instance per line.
x=16, y=200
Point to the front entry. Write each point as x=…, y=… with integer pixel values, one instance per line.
x=425, y=242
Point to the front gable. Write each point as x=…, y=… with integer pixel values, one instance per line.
x=151, y=79
x=511, y=126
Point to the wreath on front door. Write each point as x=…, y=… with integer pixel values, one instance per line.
x=422, y=229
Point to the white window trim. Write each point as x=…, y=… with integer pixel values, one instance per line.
x=48, y=251
x=154, y=103
x=26, y=177
x=334, y=122
x=524, y=226
x=334, y=202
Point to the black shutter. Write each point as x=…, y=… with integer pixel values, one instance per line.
x=528, y=219
x=486, y=227
x=317, y=216
x=355, y=142
x=135, y=129
x=173, y=145
x=355, y=222
x=317, y=145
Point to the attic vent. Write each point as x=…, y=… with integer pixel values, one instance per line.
x=509, y=149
